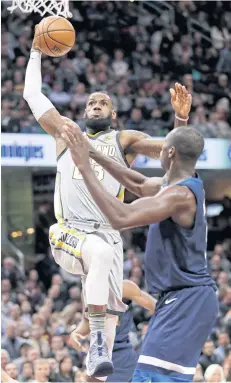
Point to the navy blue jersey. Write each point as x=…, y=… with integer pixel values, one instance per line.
x=122, y=331
x=176, y=257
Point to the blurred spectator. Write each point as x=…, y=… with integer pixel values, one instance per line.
x=119, y=66
x=223, y=346
x=11, y=370
x=208, y=355
x=224, y=63
x=5, y=358
x=41, y=371
x=25, y=346
x=214, y=374
x=11, y=272
x=80, y=96
x=11, y=342
x=59, y=97
x=65, y=373
x=33, y=354
x=26, y=372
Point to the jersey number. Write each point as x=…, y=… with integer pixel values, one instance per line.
x=98, y=170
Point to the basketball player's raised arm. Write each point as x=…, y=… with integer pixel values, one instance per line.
x=132, y=180
x=42, y=108
x=135, y=142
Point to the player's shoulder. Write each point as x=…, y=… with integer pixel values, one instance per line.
x=179, y=195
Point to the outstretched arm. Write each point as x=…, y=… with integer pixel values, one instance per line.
x=41, y=107
x=134, y=181
x=122, y=216
x=132, y=291
x=135, y=142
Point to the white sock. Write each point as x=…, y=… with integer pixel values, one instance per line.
x=97, y=324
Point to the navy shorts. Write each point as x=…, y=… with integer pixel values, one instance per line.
x=177, y=331
x=124, y=361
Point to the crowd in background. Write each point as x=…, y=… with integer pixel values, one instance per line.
x=126, y=50
x=135, y=54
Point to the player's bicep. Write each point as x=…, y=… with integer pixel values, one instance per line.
x=141, y=143
x=52, y=122
x=148, y=146
x=151, y=186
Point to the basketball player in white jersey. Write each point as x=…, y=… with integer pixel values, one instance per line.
x=82, y=241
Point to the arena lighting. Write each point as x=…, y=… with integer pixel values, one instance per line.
x=30, y=230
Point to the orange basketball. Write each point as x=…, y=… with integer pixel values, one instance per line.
x=55, y=35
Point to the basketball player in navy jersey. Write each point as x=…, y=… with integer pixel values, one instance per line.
x=175, y=259
x=124, y=358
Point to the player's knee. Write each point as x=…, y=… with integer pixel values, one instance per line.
x=105, y=255
x=97, y=252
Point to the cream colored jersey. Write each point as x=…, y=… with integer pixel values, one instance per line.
x=72, y=199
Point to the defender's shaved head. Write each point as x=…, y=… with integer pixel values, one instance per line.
x=189, y=143
x=186, y=144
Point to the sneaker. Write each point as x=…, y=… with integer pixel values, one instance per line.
x=99, y=363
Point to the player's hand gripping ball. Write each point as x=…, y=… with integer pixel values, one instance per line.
x=54, y=36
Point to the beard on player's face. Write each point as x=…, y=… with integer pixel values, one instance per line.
x=97, y=123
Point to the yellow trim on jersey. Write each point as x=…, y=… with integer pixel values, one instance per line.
x=66, y=247
x=54, y=241
x=95, y=134
x=72, y=231
x=121, y=194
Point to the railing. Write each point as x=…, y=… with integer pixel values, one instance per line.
x=160, y=6
x=193, y=23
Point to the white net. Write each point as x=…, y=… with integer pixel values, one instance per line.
x=53, y=7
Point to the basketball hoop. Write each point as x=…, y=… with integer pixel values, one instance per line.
x=53, y=7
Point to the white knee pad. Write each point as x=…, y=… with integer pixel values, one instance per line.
x=96, y=250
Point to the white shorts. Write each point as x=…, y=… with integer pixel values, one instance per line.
x=68, y=241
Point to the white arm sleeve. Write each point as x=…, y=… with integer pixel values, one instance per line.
x=38, y=103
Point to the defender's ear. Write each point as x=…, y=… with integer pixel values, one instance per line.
x=171, y=152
